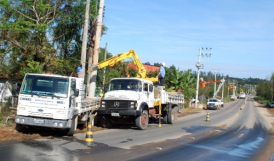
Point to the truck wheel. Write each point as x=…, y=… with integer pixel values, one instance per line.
x=20, y=128
x=105, y=122
x=142, y=120
x=73, y=126
x=172, y=115
x=165, y=117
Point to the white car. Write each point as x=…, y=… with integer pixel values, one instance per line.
x=272, y=104
x=213, y=103
x=221, y=103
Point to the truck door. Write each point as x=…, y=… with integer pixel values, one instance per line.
x=72, y=102
x=151, y=95
x=148, y=90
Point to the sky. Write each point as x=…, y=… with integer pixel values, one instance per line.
x=240, y=34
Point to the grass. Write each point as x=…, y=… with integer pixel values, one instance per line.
x=5, y=112
x=261, y=100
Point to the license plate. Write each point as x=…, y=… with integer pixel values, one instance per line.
x=115, y=114
x=38, y=121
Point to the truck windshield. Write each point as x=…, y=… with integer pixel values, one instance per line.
x=45, y=86
x=128, y=84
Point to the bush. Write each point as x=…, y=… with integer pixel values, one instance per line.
x=4, y=111
x=262, y=100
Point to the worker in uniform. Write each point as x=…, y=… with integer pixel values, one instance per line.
x=162, y=74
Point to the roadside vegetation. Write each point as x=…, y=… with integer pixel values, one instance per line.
x=265, y=91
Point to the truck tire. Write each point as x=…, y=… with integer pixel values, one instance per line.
x=21, y=128
x=105, y=122
x=73, y=126
x=165, y=117
x=142, y=120
x=172, y=115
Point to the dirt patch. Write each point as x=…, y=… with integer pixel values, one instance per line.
x=267, y=152
x=8, y=132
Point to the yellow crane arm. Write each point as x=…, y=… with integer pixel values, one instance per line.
x=115, y=59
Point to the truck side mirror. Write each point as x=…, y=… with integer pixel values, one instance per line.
x=76, y=92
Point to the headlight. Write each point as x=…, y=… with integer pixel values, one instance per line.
x=61, y=124
x=103, y=104
x=55, y=124
x=133, y=104
x=22, y=121
x=17, y=120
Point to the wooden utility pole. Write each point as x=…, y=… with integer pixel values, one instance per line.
x=92, y=86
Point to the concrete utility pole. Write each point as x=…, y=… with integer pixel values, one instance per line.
x=199, y=66
x=84, y=42
x=223, y=92
x=215, y=72
x=92, y=86
x=104, y=78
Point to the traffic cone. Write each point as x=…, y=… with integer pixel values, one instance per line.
x=207, y=117
x=89, y=136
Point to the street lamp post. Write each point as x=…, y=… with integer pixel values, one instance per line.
x=199, y=66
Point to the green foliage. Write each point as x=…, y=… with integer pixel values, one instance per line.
x=5, y=111
x=262, y=100
x=157, y=64
x=265, y=90
x=152, y=74
x=181, y=81
x=34, y=67
x=175, y=80
x=47, y=36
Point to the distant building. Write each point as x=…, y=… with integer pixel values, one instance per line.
x=149, y=68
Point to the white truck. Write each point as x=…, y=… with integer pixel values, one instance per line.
x=242, y=96
x=54, y=102
x=135, y=100
x=213, y=103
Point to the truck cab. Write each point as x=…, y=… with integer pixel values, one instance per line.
x=51, y=101
x=135, y=100
x=127, y=97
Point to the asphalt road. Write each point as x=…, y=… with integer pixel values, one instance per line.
x=231, y=134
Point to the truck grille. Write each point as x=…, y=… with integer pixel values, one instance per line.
x=39, y=114
x=117, y=104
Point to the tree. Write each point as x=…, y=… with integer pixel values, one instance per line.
x=43, y=33
x=182, y=81
x=147, y=63
x=157, y=64
x=24, y=26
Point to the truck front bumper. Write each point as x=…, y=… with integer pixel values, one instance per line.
x=212, y=107
x=43, y=122
x=120, y=112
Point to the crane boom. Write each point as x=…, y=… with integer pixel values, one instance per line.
x=113, y=60
x=219, y=87
x=203, y=83
x=242, y=91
